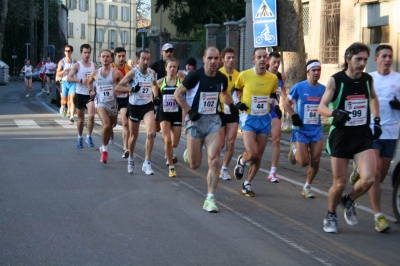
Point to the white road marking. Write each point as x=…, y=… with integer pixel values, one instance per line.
x=64, y=123
x=26, y=123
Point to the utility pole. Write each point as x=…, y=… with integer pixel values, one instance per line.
x=45, y=26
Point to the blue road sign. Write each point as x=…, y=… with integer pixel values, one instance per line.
x=265, y=33
x=264, y=10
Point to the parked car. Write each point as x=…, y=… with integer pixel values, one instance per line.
x=36, y=74
x=394, y=172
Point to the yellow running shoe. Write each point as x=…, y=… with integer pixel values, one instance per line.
x=172, y=172
x=381, y=225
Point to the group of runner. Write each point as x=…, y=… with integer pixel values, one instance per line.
x=212, y=101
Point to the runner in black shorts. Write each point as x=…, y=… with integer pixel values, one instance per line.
x=349, y=100
x=170, y=113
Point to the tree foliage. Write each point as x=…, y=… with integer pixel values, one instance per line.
x=186, y=14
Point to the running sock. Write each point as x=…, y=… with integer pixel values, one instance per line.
x=146, y=161
x=224, y=168
x=377, y=215
x=246, y=183
x=306, y=185
x=331, y=213
x=130, y=158
x=79, y=137
x=209, y=195
x=88, y=135
x=273, y=170
x=171, y=167
x=104, y=147
x=347, y=197
x=241, y=162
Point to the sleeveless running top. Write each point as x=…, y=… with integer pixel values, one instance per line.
x=145, y=94
x=105, y=89
x=169, y=104
x=84, y=72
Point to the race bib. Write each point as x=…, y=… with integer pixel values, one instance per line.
x=357, y=106
x=208, y=103
x=28, y=72
x=169, y=103
x=259, y=105
x=105, y=92
x=311, y=115
x=145, y=92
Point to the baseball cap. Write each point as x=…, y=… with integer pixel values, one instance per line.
x=191, y=61
x=167, y=46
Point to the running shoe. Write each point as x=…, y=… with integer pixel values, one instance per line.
x=381, y=225
x=185, y=156
x=172, y=172
x=125, y=153
x=111, y=141
x=209, y=205
x=349, y=211
x=147, y=168
x=224, y=175
x=71, y=121
x=80, y=143
x=248, y=191
x=43, y=91
x=272, y=178
x=48, y=93
x=354, y=176
x=239, y=168
x=174, y=160
x=131, y=166
x=27, y=95
x=292, y=153
x=89, y=141
x=68, y=113
x=330, y=223
x=307, y=193
x=104, y=155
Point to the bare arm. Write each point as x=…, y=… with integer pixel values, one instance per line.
x=123, y=84
x=330, y=89
x=179, y=92
x=59, y=71
x=287, y=104
x=71, y=76
x=283, y=89
x=92, y=78
x=155, y=88
x=226, y=97
x=374, y=103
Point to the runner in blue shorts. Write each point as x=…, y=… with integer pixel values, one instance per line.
x=306, y=146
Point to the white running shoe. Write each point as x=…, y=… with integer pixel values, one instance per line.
x=224, y=175
x=131, y=166
x=147, y=168
x=307, y=193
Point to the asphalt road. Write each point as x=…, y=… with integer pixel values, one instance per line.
x=60, y=206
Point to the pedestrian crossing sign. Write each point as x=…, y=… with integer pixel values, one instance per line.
x=264, y=10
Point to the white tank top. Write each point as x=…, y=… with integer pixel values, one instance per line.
x=145, y=94
x=66, y=65
x=28, y=71
x=105, y=89
x=84, y=72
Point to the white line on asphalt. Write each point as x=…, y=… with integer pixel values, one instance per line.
x=26, y=123
x=64, y=123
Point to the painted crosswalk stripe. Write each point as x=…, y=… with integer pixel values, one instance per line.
x=64, y=123
x=26, y=123
x=98, y=121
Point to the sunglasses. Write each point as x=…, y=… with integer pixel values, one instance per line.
x=169, y=51
x=68, y=51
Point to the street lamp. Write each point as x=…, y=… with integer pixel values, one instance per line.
x=143, y=32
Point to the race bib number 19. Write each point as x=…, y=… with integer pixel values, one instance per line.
x=208, y=103
x=106, y=93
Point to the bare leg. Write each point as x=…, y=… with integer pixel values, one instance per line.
x=255, y=145
x=231, y=133
x=90, y=124
x=149, y=124
x=212, y=143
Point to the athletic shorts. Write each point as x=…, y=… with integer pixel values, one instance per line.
x=112, y=111
x=50, y=75
x=227, y=119
x=255, y=123
x=68, y=88
x=347, y=141
x=28, y=77
x=174, y=118
x=81, y=100
x=137, y=112
x=122, y=103
x=272, y=111
x=386, y=147
x=206, y=125
x=307, y=136
x=157, y=113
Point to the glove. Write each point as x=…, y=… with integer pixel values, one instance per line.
x=157, y=101
x=377, y=128
x=395, y=104
x=193, y=115
x=242, y=106
x=296, y=121
x=340, y=117
x=136, y=88
x=234, y=109
x=278, y=111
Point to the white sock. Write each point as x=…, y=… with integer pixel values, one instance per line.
x=306, y=185
x=273, y=170
x=87, y=135
x=209, y=195
x=246, y=182
x=377, y=215
x=224, y=168
x=130, y=158
x=104, y=147
x=171, y=167
x=241, y=162
x=146, y=161
x=79, y=137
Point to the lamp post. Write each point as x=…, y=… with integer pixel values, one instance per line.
x=95, y=31
x=143, y=32
x=27, y=47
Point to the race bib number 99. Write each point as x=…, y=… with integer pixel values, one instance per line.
x=357, y=106
x=259, y=105
x=208, y=103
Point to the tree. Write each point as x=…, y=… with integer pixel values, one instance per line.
x=142, y=13
x=185, y=15
x=290, y=15
x=3, y=17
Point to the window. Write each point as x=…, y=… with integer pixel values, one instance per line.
x=83, y=30
x=124, y=37
x=124, y=1
x=71, y=4
x=100, y=11
x=113, y=12
x=306, y=16
x=111, y=39
x=70, y=29
x=99, y=35
x=330, y=30
x=83, y=5
x=124, y=13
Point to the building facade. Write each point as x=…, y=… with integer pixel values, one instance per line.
x=104, y=24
